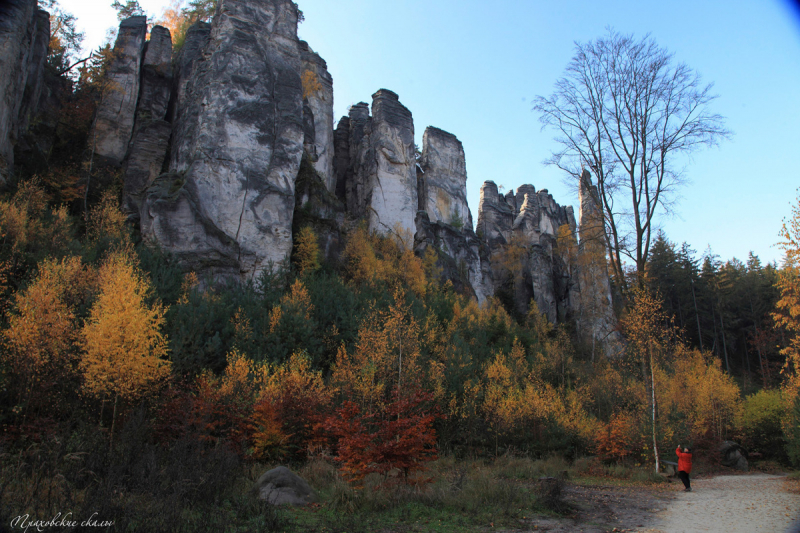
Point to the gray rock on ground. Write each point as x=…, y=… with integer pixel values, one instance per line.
x=281, y=486
x=733, y=455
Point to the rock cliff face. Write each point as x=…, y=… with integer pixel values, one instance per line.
x=380, y=178
x=245, y=112
x=523, y=260
x=24, y=35
x=116, y=112
x=443, y=179
x=318, y=114
x=226, y=206
x=151, y=130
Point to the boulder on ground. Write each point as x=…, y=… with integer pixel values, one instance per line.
x=281, y=486
x=733, y=455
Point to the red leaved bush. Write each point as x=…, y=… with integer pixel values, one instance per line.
x=205, y=414
x=400, y=436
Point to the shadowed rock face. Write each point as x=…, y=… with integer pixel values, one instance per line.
x=196, y=40
x=22, y=52
x=151, y=131
x=593, y=310
x=520, y=231
x=318, y=113
x=116, y=112
x=443, y=187
x=226, y=207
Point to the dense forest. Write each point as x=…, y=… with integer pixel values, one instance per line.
x=127, y=383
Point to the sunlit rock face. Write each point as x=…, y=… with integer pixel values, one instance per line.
x=443, y=179
x=24, y=35
x=379, y=181
x=318, y=114
x=116, y=113
x=151, y=133
x=226, y=206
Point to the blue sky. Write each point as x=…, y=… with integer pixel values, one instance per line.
x=473, y=67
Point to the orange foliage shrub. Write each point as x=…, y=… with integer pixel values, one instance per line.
x=400, y=437
x=291, y=407
x=620, y=438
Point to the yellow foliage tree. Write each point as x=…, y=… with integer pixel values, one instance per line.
x=787, y=316
x=375, y=259
x=385, y=357
x=124, y=348
x=787, y=313
x=647, y=340
x=306, y=254
x=42, y=329
x=698, y=388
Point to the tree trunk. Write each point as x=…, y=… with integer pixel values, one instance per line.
x=697, y=316
x=113, y=421
x=724, y=344
x=653, y=402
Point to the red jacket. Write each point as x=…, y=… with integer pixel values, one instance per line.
x=684, y=461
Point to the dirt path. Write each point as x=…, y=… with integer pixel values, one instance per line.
x=731, y=504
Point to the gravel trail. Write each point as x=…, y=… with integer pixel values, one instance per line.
x=732, y=504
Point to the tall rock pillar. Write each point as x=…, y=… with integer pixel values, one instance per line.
x=21, y=63
x=443, y=193
x=318, y=114
x=151, y=130
x=116, y=112
x=594, y=313
x=392, y=169
x=226, y=207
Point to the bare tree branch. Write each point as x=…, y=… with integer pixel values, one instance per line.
x=627, y=112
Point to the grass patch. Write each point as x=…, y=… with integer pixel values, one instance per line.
x=458, y=496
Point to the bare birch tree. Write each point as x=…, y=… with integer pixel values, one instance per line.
x=626, y=111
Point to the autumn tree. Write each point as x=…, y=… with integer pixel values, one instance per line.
x=625, y=111
x=295, y=398
x=787, y=316
x=647, y=339
x=306, y=252
x=124, y=349
x=43, y=328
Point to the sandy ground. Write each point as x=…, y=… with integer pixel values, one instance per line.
x=732, y=504
x=746, y=503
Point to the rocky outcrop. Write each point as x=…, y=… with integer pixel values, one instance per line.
x=196, y=40
x=380, y=179
x=281, y=486
x=318, y=114
x=458, y=251
x=523, y=262
x=116, y=112
x=443, y=179
x=144, y=163
x=156, y=79
x=23, y=48
x=226, y=207
x=593, y=309
x=151, y=131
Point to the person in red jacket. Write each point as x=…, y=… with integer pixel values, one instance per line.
x=684, y=466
